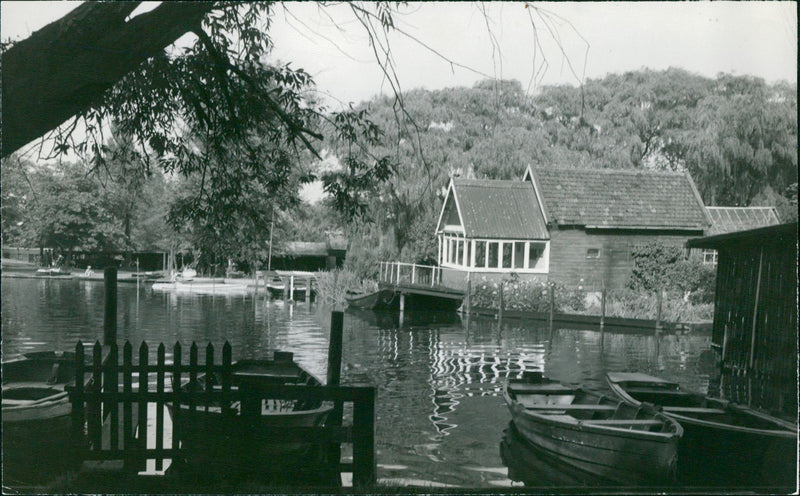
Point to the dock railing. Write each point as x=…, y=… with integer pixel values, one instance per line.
x=110, y=423
x=401, y=273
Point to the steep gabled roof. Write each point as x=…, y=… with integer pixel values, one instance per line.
x=731, y=219
x=611, y=198
x=497, y=209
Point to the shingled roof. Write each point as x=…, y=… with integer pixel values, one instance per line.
x=497, y=209
x=611, y=198
x=732, y=219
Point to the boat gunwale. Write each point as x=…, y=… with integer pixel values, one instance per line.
x=727, y=406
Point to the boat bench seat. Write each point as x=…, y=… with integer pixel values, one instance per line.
x=656, y=391
x=622, y=422
x=539, y=388
x=690, y=409
x=590, y=408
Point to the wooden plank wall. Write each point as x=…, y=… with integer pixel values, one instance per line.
x=758, y=337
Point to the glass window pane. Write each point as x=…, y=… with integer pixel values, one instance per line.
x=507, y=247
x=480, y=254
x=534, y=254
x=493, y=249
x=460, y=257
x=468, y=252
x=519, y=255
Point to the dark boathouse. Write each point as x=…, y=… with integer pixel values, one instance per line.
x=755, y=316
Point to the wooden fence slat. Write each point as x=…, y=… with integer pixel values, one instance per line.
x=78, y=399
x=95, y=410
x=111, y=386
x=227, y=380
x=192, y=376
x=144, y=355
x=160, y=404
x=127, y=408
x=209, y=376
x=364, y=439
x=176, y=391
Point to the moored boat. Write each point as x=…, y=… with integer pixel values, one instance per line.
x=36, y=410
x=377, y=300
x=229, y=442
x=202, y=287
x=724, y=443
x=603, y=436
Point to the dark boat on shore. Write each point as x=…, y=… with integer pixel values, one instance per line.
x=724, y=443
x=603, y=436
x=36, y=411
x=230, y=443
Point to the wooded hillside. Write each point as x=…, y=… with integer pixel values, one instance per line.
x=736, y=136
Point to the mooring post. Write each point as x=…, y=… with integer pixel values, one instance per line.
x=603, y=306
x=468, y=299
x=500, y=311
x=334, y=376
x=659, y=301
x=551, y=293
x=110, y=315
x=291, y=287
x=285, y=281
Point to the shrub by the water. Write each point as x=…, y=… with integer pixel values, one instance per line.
x=333, y=285
x=631, y=304
x=657, y=266
x=526, y=296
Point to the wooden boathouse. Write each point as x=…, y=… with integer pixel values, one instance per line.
x=578, y=227
x=755, y=316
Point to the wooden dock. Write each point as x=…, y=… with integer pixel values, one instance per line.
x=418, y=287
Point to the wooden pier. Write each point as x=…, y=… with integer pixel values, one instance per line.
x=418, y=287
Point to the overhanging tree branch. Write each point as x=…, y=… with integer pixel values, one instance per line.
x=64, y=68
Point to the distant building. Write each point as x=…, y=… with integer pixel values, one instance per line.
x=755, y=315
x=731, y=219
x=575, y=226
x=311, y=256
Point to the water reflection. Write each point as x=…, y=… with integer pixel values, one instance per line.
x=440, y=412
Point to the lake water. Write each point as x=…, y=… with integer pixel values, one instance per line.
x=440, y=412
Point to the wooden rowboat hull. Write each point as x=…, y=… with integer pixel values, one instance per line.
x=229, y=443
x=382, y=299
x=623, y=455
x=723, y=444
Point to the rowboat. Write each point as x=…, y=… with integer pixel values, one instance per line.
x=217, y=436
x=602, y=436
x=723, y=443
x=377, y=300
x=36, y=410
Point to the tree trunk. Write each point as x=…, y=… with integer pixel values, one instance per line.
x=64, y=68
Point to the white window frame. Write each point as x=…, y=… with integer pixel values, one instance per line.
x=450, y=242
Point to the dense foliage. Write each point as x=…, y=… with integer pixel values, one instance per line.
x=660, y=267
x=527, y=296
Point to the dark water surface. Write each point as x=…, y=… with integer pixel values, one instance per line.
x=440, y=412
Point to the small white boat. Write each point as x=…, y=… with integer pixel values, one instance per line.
x=203, y=287
x=36, y=409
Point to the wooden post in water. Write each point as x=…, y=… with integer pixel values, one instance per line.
x=552, y=296
x=502, y=304
x=334, y=375
x=603, y=306
x=285, y=281
x=468, y=299
x=110, y=315
x=291, y=287
x=659, y=301
x=308, y=291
